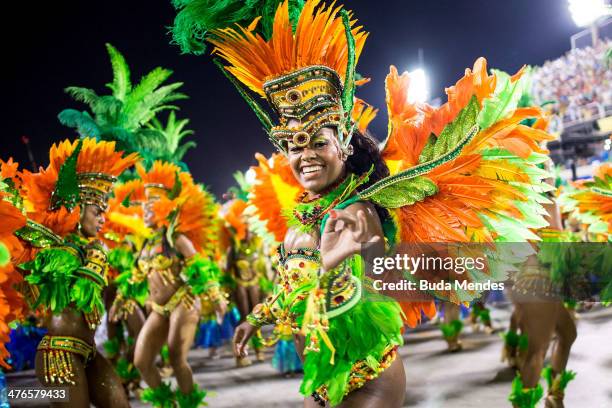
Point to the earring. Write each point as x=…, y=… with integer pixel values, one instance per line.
x=346, y=152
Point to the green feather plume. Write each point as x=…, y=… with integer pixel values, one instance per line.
x=194, y=399
x=200, y=274
x=348, y=92
x=111, y=347
x=126, y=370
x=241, y=191
x=66, y=191
x=129, y=115
x=504, y=101
x=159, y=397
x=452, y=329
x=404, y=192
x=165, y=354
x=174, y=131
x=452, y=134
x=522, y=397
x=195, y=19
x=52, y=271
x=87, y=295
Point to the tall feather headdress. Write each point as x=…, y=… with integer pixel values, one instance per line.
x=305, y=69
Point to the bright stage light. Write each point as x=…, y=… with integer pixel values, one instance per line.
x=586, y=12
x=419, y=86
x=250, y=176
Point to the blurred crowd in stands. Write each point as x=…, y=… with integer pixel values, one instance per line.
x=580, y=84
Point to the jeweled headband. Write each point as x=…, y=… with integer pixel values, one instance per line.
x=312, y=94
x=298, y=75
x=154, y=191
x=85, y=188
x=94, y=188
x=301, y=135
x=297, y=94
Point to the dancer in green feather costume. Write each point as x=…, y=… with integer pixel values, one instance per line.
x=444, y=175
x=69, y=270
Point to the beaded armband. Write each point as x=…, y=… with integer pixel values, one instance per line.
x=95, y=266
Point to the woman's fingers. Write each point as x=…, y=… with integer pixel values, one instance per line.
x=330, y=225
x=238, y=335
x=242, y=347
x=361, y=226
x=241, y=338
x=348, y=220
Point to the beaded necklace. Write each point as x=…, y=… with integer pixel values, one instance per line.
x=306, y=216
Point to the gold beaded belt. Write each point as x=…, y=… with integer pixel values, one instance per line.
x=57, y=362
x=182, y=295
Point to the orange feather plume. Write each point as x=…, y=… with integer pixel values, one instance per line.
x=197, y=217
x=232, y=213
x=274, y=191
x=95, y=157
x=411, y=124
x=12, y=304
x=592, y=202
x=467, y=186
x=363, y=114
x=163, y=173
x=413, y=310
x=134, y=192
x=10, y=170
x=319, y=39
x=603, y=171
x=37, y=188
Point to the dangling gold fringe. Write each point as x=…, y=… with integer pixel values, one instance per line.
x=57, y=359
x=93, y=318
x=57, y=367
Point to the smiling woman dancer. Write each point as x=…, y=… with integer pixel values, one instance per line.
x=335, y=193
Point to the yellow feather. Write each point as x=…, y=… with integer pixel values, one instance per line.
x=285, y=192
x=135, y=224
x=478, y=234
x=501, y=170
x=394, y=166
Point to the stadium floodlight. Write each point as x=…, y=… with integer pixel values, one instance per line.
x=419, y=86
x=586, y=12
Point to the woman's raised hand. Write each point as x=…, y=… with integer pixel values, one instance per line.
x=343, y=236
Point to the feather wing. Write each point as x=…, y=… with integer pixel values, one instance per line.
x=479, y=158
x=274, y=191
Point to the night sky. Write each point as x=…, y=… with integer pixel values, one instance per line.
x=61, y=43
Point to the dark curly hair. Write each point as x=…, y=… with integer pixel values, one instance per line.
x=365, y=154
